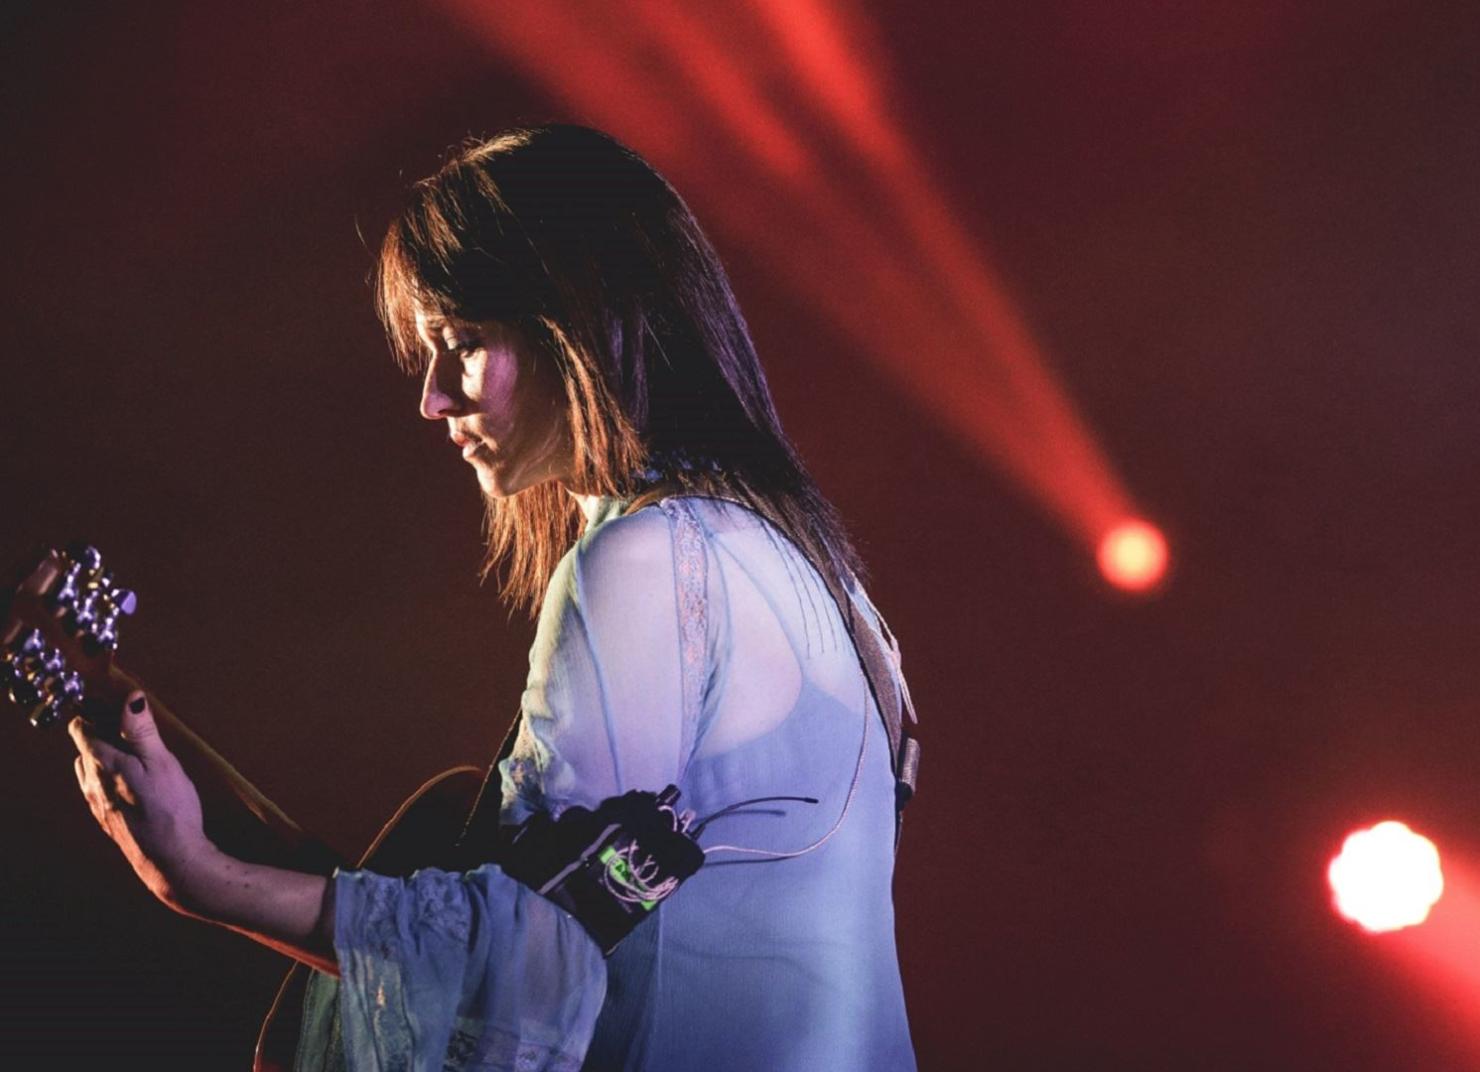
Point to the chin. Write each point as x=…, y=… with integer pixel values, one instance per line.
x=499, y=482
x=492, y=487
x=500, y=485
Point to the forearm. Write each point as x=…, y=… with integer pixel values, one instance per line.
x=289, y=911
x=140, y=794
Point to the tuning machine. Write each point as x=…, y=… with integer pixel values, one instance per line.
x=35, y=676
x=90, y=601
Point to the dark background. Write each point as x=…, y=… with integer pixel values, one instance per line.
x=1245, y=233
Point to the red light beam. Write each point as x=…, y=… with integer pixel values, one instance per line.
x=889, y=266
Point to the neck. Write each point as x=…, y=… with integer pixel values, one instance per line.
x=590, y=503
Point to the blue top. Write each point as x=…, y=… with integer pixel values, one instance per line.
x=686, y=643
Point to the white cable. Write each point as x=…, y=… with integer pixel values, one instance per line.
x=847, y=802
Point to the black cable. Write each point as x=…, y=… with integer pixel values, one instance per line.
x=699, y=829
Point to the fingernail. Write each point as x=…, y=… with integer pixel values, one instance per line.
x=136, y=705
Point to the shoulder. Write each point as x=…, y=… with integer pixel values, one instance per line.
x=634, y=544
x=620, y=563
x=626, y=539
x=614, y=586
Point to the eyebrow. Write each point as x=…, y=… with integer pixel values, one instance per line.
x=431, y=329
x=440, y=323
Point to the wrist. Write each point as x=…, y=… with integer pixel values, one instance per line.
x=190, y=881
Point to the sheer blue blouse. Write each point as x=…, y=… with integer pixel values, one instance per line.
x=686, y=643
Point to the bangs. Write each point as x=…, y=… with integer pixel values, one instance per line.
x=399, y=293
x=452, y=252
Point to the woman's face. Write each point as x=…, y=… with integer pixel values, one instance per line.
x=509, y=422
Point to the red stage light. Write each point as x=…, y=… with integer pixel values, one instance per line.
x=776, y=115
x=1386, y=878
x=1133, y=555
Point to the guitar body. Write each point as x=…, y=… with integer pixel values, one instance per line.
x=421, y=834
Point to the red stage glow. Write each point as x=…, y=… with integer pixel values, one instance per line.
x=1386, y=878
x=1133, y=556
x=773, y=117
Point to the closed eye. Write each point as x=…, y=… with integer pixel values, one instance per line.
x=462, y=347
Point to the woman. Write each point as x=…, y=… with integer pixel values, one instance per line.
x=697, y=608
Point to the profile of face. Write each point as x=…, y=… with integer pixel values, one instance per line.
x=509, y=423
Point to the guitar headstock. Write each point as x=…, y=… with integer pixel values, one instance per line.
x=60, y=632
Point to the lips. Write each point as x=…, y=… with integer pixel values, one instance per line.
x=468, y=444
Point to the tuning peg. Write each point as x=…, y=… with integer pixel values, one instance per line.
x=118, y=602
x=35, y=677
x=65, y=595
x=59, y=692
x=34, y=643
x=85, y=555
x=46, y=715
x=71, y=687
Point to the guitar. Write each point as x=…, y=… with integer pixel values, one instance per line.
x=59, y=634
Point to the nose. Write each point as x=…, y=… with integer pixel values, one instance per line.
x=440, y=394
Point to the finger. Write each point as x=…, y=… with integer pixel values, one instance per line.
x=137, y=727
x=116, y=788
x=107, y=787
x=102, y=756
x=108, y=756
x=80, y=730
x=92, y=793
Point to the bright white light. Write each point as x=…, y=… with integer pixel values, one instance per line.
x=1386, y=878
x=1133, y=555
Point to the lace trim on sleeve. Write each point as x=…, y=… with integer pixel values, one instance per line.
x=490, y=1050
x=381, y=899
x=691, y=580
x=521, y=781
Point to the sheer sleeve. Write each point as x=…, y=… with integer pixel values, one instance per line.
x=461, y=971
x=611, y=700
x=475, y=966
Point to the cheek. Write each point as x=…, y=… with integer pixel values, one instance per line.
x=495, y=392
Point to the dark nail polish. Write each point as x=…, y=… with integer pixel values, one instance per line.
x=136, y=705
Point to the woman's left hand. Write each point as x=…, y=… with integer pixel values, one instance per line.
x=143, y=800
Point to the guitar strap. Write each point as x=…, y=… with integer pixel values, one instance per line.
x=878, y=657
x=479, y=841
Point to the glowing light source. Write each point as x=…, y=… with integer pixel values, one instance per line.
x=1133, y=555
x=1386, y=878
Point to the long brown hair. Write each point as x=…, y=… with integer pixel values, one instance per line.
x=583, y=248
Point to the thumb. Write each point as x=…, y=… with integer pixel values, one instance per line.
x=136, y=726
